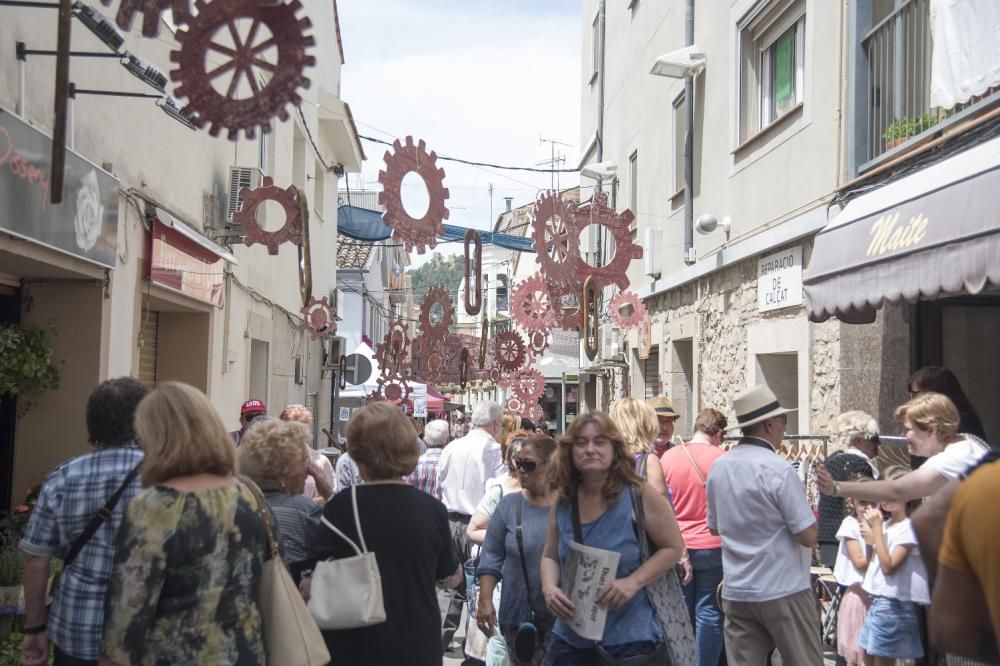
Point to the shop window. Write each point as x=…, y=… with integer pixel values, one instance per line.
x=772, y=63
x=781, y=373
x=147, y=347
x=502, y=293
x=968, y=350
x=682, y=385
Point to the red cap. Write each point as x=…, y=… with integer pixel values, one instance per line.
x=252, y=406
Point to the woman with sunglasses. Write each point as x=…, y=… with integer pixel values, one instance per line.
x=512, y=551
x=596, y=482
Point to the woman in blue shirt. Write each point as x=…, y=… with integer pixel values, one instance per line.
x=595, y=472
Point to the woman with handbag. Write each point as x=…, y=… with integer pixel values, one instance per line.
x=600, y=496
x=191, y=548
x=405, y=529
x=512, y=551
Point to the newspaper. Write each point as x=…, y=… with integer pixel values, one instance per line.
x=587, y=571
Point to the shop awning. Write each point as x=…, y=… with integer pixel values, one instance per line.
x=933, y=233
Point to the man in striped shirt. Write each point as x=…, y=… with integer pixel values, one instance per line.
x=425, y=475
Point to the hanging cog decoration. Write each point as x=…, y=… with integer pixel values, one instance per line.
x=290, y=231
x=415, y=234
x=567, y=307
x=529, y=385
x=533, y=307
x=280, y=58
x=319, y=318
x=534, y=413
x=151, y=11
x=557, y=238
x=391, y=389
x=392, y=355
x=436, y=330
x=514, y=404
x=510, y=351
x=619, y=302
x=614, y=271
x=538, y=342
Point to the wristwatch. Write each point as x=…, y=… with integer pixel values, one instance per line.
x=31, y=631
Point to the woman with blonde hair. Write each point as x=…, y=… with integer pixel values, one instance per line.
x=273, y=454
x=598, y=489
x=319, y=481
x=930, y=425
x=638, y=425
x=191, y=548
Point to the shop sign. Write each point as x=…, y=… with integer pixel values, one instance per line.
x=420, y=408
x=779, y=279
x=185, y=266
x=84, y=225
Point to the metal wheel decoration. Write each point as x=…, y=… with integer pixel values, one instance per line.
x=473, y=295
x=591, y=332
x=484, y=340
x=151, y=12
x=510, y=351
x=533, y=306
x=414, y=233
x=534, y=413
x=319, y=318
x=614, y=271
x=463, y=368
x=244, y=61
x=392, y=353
x=619, y=302
x=567, y=317
x=290, y=231
x=557, y=238
x=514, y=404
x=392, y=389
x=538, y=342
x=529, y=384
x=431, y=331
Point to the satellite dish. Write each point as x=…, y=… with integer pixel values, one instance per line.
x=359, y=369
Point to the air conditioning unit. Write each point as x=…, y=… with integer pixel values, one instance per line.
x=240, y=177
x=335, y=348
x=654, y=242
x=611, y=343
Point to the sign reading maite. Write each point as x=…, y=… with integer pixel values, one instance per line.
x=779, y=279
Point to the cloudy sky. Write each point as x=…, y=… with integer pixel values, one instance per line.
x=476, y=79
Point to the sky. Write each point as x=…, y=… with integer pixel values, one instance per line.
x=475, y=79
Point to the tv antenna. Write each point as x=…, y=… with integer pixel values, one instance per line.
x=553, y=161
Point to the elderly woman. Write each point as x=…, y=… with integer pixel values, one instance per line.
x=855, y=438
x=191, y=548
x=513, y=551
x=406, y=528
x=638, y=425
x=596, y=481
x=319, y=482
x=930, y=425
x=274, y=455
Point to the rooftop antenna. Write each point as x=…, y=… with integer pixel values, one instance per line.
x=553, y=161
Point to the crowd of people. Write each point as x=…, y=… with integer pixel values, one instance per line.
x=163, y=542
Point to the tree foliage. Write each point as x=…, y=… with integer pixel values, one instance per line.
x=448, y=271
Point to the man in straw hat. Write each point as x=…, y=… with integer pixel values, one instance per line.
x=667, y=417
x=758, y=505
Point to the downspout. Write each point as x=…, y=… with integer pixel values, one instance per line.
x=689, y=258
x=601, y=31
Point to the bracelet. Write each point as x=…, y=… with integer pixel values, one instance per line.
x=836, y=488
x=31, y=631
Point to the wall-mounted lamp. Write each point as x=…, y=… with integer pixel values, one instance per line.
x=599, y=170
x=708, y=223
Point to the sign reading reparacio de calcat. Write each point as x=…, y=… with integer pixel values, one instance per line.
x=779, y=279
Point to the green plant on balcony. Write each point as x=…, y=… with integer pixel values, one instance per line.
x=900, y=130
x=27, y=368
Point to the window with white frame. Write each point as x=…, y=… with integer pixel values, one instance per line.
x=680, y=130
x=772, y=63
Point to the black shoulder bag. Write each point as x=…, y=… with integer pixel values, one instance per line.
x=531, y=633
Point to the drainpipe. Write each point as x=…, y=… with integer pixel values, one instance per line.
x=689, y=142
x=601, y=31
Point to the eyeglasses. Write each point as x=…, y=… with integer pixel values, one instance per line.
x=525, y=465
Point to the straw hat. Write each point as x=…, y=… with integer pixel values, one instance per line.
x=663, y=407
x=756, y=405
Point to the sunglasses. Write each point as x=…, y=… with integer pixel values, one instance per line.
x=525, y=465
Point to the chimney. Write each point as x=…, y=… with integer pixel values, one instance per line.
x=508, y=201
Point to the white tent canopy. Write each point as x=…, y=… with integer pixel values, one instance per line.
x=417, y=390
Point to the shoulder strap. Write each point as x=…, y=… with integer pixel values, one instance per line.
x=357, y=524
x=272, y=543
x=577, y=530
x=640, y=522
x=520, y=548
x=697, y=470
x=102, y=515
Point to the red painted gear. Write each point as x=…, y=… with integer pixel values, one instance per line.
x=621, y=300
x=151, y=12
x=291, y=230
x=414, y=233
x=511, y=351
x=562, y=298
x=437, y=294
x=615, y=271
x=557, y=239
x=529, y=384
x=392, y=388
x=534, y=413
x=320, y=318
x=514, y=404
x=532, y=305
x=538, y=342
x=392, y=354
x=284, y=77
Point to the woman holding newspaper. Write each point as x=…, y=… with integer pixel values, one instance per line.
x=593, y=572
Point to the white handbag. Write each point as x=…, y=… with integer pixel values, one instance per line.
x=346, y=593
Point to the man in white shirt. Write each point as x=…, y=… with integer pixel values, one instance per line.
x=463, y=470
x=757, y=504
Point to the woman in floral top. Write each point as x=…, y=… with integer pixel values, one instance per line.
x=191, y=548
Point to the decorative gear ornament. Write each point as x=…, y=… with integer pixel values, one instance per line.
x=436, y=331
x=533, y=306
x=510, y=351
x=529, y=384
x=151, y=12
x=244, y=59
x=514, y=404
x=534, y=413
x=392, y=353
x=320, y=318
x=614, y=271
x=567, y=307
x=290, y=231
x=391, y=389
x=538, y=342
x=557, y=238
x=621, y=301
x=415, y=233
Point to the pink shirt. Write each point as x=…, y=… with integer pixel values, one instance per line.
x=690, y=502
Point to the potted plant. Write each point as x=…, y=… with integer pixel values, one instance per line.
x=27, y=368
x=900, y=130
